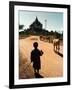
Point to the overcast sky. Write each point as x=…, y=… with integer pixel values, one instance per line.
x=54, y=20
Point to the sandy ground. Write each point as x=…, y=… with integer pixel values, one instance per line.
x=51, y=63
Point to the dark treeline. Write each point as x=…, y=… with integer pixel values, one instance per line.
x=41, y=32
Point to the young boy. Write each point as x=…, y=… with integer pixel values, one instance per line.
x=35, y=57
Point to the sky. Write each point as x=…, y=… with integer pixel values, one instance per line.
x=51, y=21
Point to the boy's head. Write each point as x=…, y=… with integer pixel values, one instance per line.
x=35, y=44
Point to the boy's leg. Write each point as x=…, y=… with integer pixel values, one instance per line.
x=38, y=71
x=34, y=70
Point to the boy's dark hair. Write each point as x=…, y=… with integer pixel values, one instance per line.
x=35, y=44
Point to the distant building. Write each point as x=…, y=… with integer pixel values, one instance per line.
x=36, y=26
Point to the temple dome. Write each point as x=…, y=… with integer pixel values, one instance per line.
x=36, y=24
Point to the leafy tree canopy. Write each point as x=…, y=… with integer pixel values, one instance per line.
x=21, y=26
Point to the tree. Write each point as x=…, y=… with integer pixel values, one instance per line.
x=21, y=26
x=57, y=35
x=51, y=33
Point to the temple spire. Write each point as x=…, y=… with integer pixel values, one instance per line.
x=36, y=18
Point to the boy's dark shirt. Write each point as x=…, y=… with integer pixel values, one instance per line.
x=35, y=58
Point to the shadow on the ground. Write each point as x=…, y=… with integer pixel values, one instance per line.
x=60, y=54
x=37, y=75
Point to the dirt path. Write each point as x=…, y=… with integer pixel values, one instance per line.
x=51, y=63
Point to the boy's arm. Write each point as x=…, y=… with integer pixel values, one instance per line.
x=41, y=52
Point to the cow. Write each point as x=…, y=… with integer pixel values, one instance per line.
x=56, y=44
x=42, y=38
x=45, y=38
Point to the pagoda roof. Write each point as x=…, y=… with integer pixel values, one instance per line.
x=36, y=22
